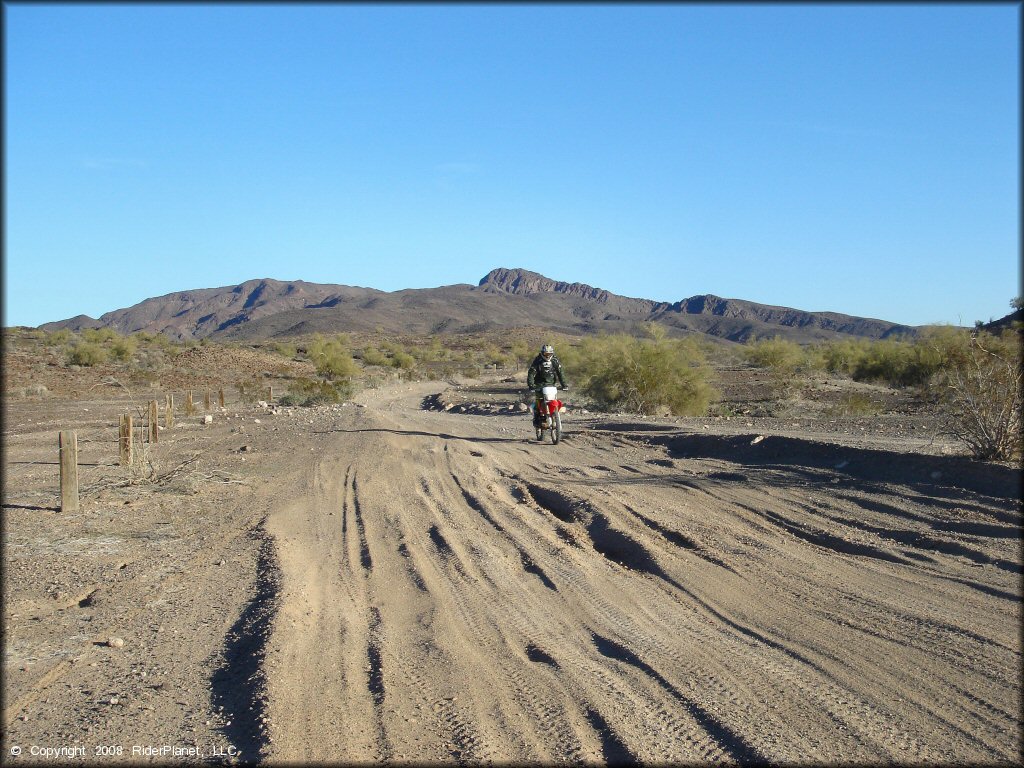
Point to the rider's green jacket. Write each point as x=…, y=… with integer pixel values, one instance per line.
x=544, y=373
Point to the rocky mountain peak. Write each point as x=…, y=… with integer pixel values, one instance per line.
x=523, y=282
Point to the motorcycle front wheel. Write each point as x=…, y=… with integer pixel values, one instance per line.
x=556, y=428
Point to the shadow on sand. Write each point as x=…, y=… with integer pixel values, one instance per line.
x=442, y=435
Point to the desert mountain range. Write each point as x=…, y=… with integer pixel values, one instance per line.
x=504, y=298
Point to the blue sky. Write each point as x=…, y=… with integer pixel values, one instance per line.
x=851, y=158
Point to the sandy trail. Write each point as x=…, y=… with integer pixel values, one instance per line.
x=451, y=590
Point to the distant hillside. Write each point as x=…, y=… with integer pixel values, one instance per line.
x=504, y=298
x=1013, y=320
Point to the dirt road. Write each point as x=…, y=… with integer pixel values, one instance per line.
x=432, y=586
x=452, y=591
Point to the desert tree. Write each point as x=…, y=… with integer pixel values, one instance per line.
x=979, y=388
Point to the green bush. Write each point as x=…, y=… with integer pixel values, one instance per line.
x=843, y=356
x=776, y=353
x=332, y=357
x=897, y=363
x=58, y=338
x=99, y=335
x=403, y=360
x=284, y=350
x=307, y=392
x=432, y=351
x=521, y=352
x=888, y=361
x=86, y=353
x=373, y=356
x=647, y=376
x=124, y=348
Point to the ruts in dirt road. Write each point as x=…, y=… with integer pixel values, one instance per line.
x=454, y=591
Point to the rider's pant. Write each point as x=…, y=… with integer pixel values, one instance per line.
x=539, y=411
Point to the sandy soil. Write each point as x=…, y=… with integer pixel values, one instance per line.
x=390, y=581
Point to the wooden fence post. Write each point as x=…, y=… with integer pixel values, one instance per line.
x=169, y=412
x=154, y=431
x=68, y=443
x=189, y=405
x=270, y=394
x=126, y=439
x=220, y=397
x=206, y=402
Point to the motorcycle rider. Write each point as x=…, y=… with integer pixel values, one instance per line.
x=544, y=371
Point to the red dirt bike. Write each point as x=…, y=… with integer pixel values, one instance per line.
x=551, y=410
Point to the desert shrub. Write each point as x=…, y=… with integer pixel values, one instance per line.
x=86, y=353
x=403, y=360
x=854, y=404
x=308, y=392
x=430, y=352
x=646, y=376
x=99, y=335
x=57, y=338
x=843, y=356
x=150, y=359
x=521, y=352
x=163, y=341
x=373, y=356
x=33, y=390
x=332, y=357
x=250, y=390
x=776, y=353
x=284, y=349
x=124, y=348
x=814, y=357
x=498, y=357
x=897, y=363
x=979, y=388
x=143, y=376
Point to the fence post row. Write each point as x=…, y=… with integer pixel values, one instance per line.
x=67, y=442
